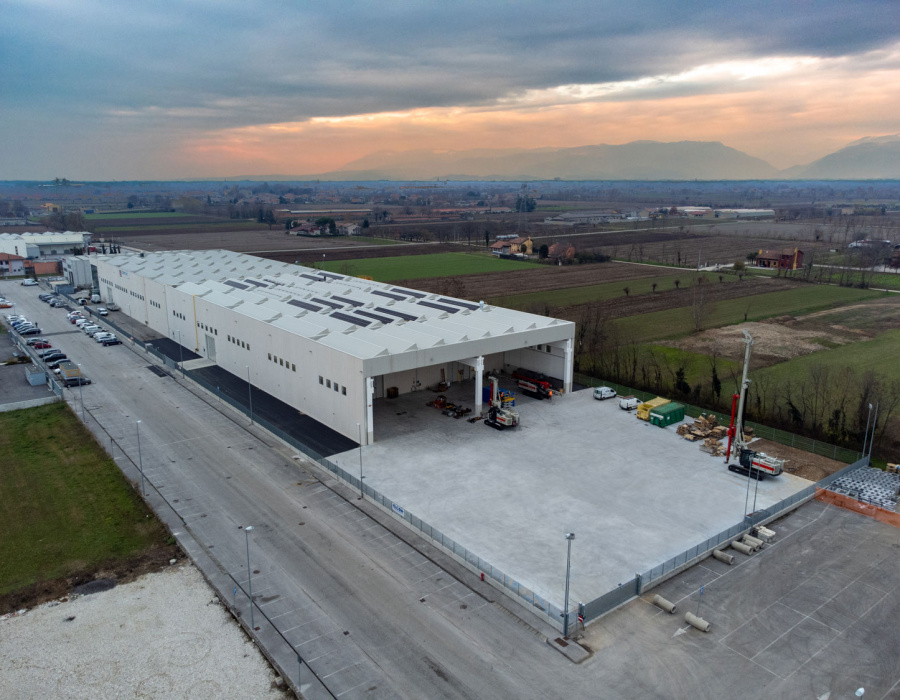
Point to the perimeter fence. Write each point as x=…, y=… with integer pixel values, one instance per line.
x=538, y=604
x=657, y=574
x=782, y=437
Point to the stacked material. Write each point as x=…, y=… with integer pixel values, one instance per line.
x=870, y=485
x=707, y=429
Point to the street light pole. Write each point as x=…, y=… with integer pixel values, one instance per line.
x=140, y=457
x=569, y=537
x=81, y=394
x=180, y=352
x=249, y=574
x=872, y=439
x=866, y=434
x=249, y=393
x=359, y=434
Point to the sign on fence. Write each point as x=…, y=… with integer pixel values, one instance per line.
x=397, y=509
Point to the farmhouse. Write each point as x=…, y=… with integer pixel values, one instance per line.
x=327, y=344
x=788, y=259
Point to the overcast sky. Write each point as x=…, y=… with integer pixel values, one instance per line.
x=96, y=89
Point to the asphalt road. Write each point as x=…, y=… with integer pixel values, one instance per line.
x=814, y=616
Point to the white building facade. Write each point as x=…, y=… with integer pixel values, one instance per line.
x=327, y=344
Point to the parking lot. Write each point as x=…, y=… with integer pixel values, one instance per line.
x=58, y=340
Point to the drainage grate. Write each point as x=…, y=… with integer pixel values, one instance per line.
x=158, y=371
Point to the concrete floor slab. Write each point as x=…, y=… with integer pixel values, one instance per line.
x=634, y=494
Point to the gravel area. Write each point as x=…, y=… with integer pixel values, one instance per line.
x=164, y=635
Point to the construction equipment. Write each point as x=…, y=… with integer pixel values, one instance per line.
x=498, y=416
x=757, y=465
x=543, y=390
x=534, y=388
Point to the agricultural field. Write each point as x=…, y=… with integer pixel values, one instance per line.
x=115, y=216
x=67, y=509
x=599, y=292
x=878, y=354
x=675, y=322
x=392, y=269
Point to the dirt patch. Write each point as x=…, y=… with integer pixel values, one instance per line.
x=800, y=463
x=121, y=571
x=866, y=319
x=773, y=342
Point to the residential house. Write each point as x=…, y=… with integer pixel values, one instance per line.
x=787, y=259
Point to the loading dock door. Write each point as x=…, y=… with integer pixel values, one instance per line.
x=210, y=348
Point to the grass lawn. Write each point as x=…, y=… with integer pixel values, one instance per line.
x=137, y=215
x=64, y=505
x=675, y=322
x=423, y=266
x=608, y=290
x=878, y=355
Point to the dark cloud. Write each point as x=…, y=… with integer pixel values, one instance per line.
x=199, y=64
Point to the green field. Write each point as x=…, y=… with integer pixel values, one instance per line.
x=608, y=290
x=675, y=322
x=64, y=504
x=423, y=266
x=878, y=355
x=137, y=215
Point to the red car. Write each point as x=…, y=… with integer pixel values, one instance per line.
x=41, y=346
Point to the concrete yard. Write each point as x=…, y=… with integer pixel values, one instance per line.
x=510, y=496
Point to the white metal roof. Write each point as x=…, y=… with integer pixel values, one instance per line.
x=362, y=318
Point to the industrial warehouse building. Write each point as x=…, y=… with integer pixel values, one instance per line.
x=327, y=344
x=37, y=245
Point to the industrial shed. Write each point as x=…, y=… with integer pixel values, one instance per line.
x=328, y=344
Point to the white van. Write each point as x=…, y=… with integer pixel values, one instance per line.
x=604, y=392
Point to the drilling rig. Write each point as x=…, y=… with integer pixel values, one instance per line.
x=739, y=457
x=497, y=416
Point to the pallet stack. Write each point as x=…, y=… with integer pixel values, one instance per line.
x=707, y=429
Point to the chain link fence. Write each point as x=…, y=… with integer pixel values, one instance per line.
x=823, y=449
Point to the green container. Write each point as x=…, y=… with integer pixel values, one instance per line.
x=666, y=415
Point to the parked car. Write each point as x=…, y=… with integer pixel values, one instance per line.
x=81, y=322
x=102, y=311
x=104, y=335
x=43, y=345
x=76, y=318
x=83, y=301
x=54, y=360
x=45, y=297
x=57, y=303
x=76, y=381
x=31, y=331
x=90, y=329
x=29, y=283
x=604, y=392
x=45, y=353
x=111, y=341
x=35, y=341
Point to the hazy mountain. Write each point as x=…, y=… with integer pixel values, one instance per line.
x=639, y=160
x=870, y=158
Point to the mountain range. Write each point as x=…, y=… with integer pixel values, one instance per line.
x=870, y=158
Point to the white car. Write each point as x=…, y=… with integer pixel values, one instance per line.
x=91, y=329
x=604, y=392
x=81, y=322
x=29, y=283
x=100, y=310
x=100, y=337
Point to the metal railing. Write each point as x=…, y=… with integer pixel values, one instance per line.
x=472, y=561
x=657, y=574
x=823, y=449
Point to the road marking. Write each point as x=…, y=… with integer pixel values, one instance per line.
x=681, y=631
